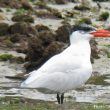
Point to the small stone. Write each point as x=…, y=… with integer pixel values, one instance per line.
x=2, y=16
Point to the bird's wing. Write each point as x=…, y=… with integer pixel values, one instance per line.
x=59, y=81
x=58, y=63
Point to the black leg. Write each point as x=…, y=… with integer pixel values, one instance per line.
x=62, y=98
x=58, y=98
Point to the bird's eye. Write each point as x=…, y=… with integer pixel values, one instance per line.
x=82, y=32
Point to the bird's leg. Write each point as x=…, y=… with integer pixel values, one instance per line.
x=58, y=98
x=62, y=98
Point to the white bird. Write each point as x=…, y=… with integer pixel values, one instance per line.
x=71, y=68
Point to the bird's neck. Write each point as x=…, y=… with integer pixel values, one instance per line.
x=81, y=48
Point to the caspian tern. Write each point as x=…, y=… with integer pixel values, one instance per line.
x=71, y=68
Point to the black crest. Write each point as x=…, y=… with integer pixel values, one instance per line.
x=83, y=27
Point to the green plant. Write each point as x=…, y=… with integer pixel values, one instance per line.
x=8, y=43
x=106, y=45
x=85, y=20
x=104, y=16
x=8, y=9
x=5, y=57
x=17, y=103
x=31, y=0
x=98, y=80
x=21, y=11
x=108, y=54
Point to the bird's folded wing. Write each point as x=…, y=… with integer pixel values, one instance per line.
x=58, y=81
x=53, y=66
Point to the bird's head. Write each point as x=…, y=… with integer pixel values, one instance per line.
x=86, y=32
